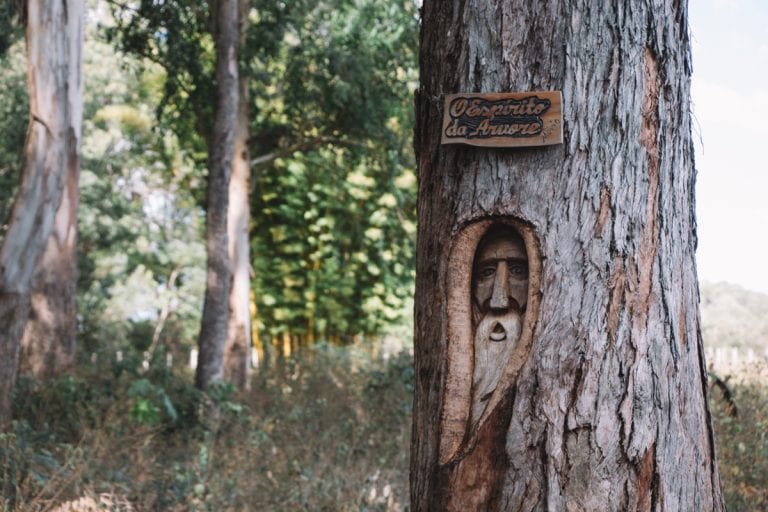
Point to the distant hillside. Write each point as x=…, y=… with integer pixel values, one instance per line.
x=734, y=316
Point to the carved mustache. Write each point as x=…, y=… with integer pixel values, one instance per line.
x=500, y=327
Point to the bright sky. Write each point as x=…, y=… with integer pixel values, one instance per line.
x=730, y=105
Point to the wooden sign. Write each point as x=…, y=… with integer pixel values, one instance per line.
x=511, y=119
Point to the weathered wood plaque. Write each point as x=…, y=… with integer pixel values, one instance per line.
x=510, y=119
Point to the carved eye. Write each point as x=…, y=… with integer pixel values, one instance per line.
x=518, y=269
x=487, y=271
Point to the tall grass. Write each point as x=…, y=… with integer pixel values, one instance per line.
x=325, y=431
x=742, y=444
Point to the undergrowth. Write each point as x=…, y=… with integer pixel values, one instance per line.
x=327, y=432
x=741, y=430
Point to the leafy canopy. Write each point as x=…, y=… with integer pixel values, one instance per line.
x=333, y=201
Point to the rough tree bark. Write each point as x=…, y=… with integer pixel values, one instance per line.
x=54, y=36
x=221, y=149
x=607, y=409
x=237, y=352
x=48, y=343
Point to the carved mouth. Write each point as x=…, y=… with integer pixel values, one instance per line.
x=498, y=333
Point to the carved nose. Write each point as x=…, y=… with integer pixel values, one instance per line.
x=500, y=294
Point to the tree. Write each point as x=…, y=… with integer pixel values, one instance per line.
x=335, y=185
x=331, y=104
x=237, y=349
x=141, y=261
x=179, y=36
x=54, y=34
x=49, y=337
x=221, y=150
x=48, y=342
x=603, y=406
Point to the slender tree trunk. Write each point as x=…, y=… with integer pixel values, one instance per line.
x=221, y=149
x=602, y=404
x=54, y=35
x=237, y=353
x=48, y=344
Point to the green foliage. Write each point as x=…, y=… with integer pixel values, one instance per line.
x=334, y=246
x=175, y=35
x=141, y=257
x=334, y=217
x=350, y=69
x=81, y=429
x=23, y=464
x=10, y=28
x=330, y=87
x=61, y=408
x=14, y=117
x=742, y=446
x=150, y=403
x=340, y=68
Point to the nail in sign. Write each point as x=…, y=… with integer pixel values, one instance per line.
x=511, y=119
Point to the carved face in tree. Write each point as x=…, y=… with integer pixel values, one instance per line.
x=499, y=296
x=500, y=276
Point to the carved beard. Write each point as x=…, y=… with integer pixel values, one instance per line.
x=495, y=338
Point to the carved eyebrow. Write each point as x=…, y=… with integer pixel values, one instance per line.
x=494, y=260
x=489, y=261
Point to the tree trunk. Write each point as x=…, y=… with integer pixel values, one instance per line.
x=601, y=404
x=237, y=353
x=54, y=35
x=221, y=148
x=48, y=344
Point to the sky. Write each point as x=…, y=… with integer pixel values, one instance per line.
x=730, y=106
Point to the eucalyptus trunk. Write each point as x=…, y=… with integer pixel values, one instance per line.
x=221, y=149
x=237, y=352
x=604, y=407
x=48, y=344
x=54, y=37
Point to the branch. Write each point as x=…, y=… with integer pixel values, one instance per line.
x=305, y=145
x=730, y=403
x=123, y=6
x=164, y=312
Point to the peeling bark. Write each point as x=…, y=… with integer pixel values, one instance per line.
x=610, y=401
x=237, y=352
x=54, y=37
x=48, y=344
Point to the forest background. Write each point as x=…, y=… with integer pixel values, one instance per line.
x=325, y=425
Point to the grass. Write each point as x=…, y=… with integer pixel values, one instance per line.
x=326, y=431
x=742, y=444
